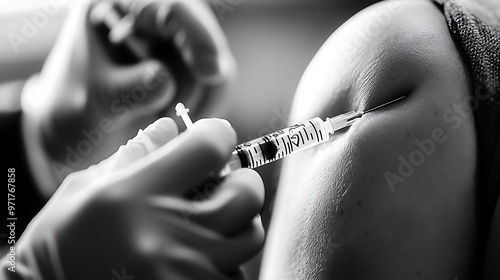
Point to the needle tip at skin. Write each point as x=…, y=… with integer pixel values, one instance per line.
x=382, y=105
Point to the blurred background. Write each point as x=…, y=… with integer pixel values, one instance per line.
x=272, y=41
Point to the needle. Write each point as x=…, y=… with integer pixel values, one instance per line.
x=385, y=104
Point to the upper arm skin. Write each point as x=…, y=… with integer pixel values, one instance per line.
x=336, y=215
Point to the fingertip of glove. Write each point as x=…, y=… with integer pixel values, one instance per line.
x=162, y=126
x=209, y=140
x=218, y=132
x=161, y=131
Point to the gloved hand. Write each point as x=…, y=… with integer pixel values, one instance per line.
x=148, y=211
x=91, y=96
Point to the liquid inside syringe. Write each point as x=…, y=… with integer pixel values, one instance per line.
x=286, y=141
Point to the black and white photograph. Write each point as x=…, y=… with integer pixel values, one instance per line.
x=250, y=139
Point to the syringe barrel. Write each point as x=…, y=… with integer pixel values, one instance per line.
x=279, y=144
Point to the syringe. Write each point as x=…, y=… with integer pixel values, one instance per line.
x=286, y=141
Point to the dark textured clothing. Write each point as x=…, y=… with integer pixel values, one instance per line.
x=479, y=43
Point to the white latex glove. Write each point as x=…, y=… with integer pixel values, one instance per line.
x=90, y=90
x=148, y=211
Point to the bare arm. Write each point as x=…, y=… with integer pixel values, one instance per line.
x=393, y=196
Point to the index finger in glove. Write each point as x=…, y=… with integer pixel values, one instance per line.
x=186, y=161
x=147, y=141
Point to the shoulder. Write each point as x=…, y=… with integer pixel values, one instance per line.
x=384, y=50
x=393, y=49
x=387, y=183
